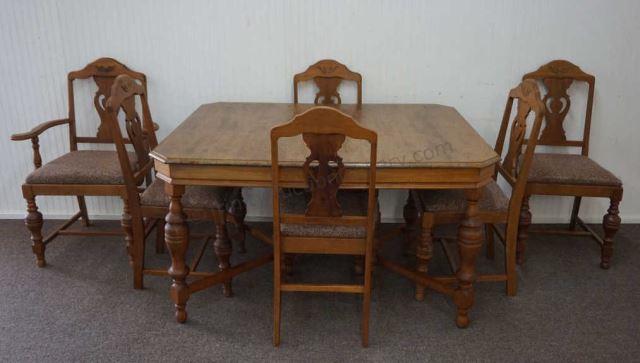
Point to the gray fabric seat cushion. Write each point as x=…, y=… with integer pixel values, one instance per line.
x=569, y=169
x=203, y=197
x=352, y=203
x=81, y=167
x=493, y=199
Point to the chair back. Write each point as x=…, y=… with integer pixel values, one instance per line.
x=104, y=72
x=327, y=74
x=558, y=76
x=324, y=130
x=139, y=131
x=516, y=163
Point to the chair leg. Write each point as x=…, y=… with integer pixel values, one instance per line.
x=238, y=209
x=33, y=221
x=424, y=252
x=222, y=248
x=125, y=222
x=160, y=247
x=610, y=224
x=574, y=213
x=489, y=237
x=510, y=260
x=137, y=248
x=277, y=297
x=411, y=218
x=83, y=210
x=523, y=226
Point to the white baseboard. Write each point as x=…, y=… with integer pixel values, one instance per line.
x=542, y=219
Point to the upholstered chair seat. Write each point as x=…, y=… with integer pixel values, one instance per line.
x=352, y=203
x=81, y=167
x=203, y=197
x=569, y=169
x=493, y=199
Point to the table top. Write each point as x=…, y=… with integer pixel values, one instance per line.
x=409, y=136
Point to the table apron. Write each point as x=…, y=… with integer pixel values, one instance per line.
x=292, y=177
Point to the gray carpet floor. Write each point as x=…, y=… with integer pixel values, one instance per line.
x=82, y=307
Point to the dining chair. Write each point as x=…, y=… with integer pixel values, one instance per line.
x=327, y=75
x=149, y=203
x=438, y=207
x=563, y=174
x=77, y=173
x=327, y=220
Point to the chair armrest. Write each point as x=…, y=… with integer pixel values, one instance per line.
x=38, y=129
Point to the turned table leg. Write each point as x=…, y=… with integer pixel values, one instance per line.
x=469, y=245
x=33, y=221
x=238, y=209
x=177, y=241
x=424, y=253
x=610, y=224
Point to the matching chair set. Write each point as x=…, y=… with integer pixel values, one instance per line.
x=326, y=218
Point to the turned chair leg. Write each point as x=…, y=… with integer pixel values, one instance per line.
x=83, y=210
x=610, y=224
x=160, y=247
x=574, y=213
x=490, y=240
x=411, y=218
x=222, y=247
x=33, y=221
x=523, y=226
x=424, y=253
x=238, y=209
x=125, y=222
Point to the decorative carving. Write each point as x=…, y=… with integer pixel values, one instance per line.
x=327, y=75
x=610, y=224
x=557, y=104
x=33, y=221
x=100, y=103
x=326, y=175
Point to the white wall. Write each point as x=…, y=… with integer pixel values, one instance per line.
x=464, y=53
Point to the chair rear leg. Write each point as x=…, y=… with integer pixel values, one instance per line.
x=222, y=248
x=574, y=213
x=424, y=253
x=125, y=222
x=160, y=248
x=490, y=240
x=34, y=222
x=138, y=251
x=610, y=224
x=523, y=226
x=277, y=297
x=366, y=300
x=83, y=210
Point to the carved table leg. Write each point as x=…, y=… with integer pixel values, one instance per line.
x=411, y=217
x=33, y=221
x=523, y=226
x=238, y=209
x=177, y=240
x=222, y=248
x=82, y=204
x=424, y=253
x=469, y=244
x=125, y=222
x=610, y=224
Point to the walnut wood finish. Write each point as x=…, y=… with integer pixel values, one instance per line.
x=103, y=71
x=324, y=131
x=558, y=76
x=514, y=169
x=327, y=74
x=419, y=147
x=141, y=134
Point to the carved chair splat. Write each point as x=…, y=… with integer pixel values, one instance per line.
x=327, y=75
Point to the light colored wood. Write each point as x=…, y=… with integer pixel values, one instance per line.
x=410, y=136
x=353, y=289
x=338, y=246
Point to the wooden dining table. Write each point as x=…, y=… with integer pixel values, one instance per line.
x=420, y=146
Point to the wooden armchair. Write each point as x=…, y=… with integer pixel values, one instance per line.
x=78, y=172
x=330, y=221
x=448, y=206
x=150, y=204
x=327, y=74
x=569, y=174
